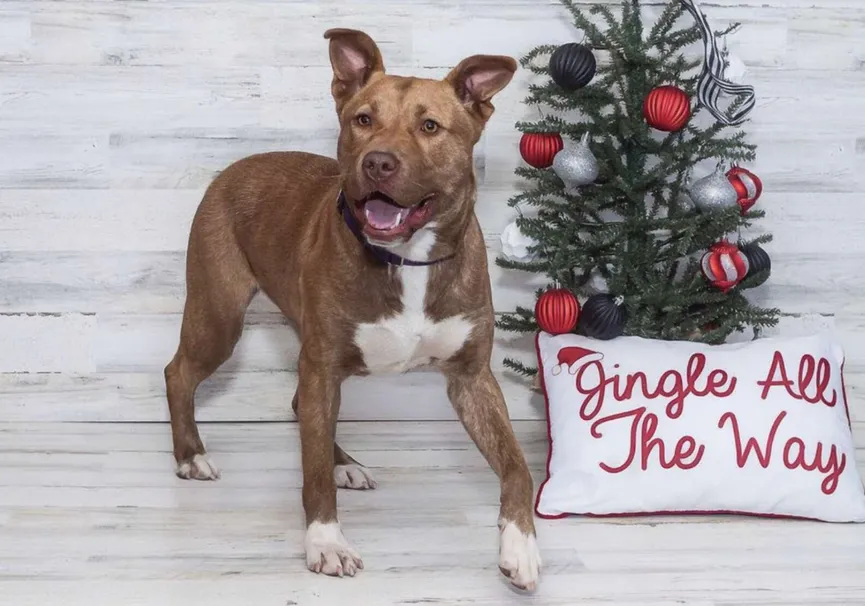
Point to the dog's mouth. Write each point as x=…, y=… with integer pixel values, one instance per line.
x=386, y=220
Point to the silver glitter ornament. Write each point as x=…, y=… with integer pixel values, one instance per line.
x=713, y=192
x=576, y=164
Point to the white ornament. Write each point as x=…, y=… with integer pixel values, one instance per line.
x=597, y=283
x=515, y=244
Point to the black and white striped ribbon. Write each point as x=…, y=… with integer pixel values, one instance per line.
x=712, y=82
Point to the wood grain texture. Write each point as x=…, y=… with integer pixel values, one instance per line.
x=94, y=513
x=262, y=396
x=265, y=396
x=145, y=342
x=114, y=117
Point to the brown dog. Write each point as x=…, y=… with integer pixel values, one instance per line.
x=378, y=259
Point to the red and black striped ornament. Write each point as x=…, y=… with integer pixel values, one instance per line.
x=667, y=108
x=556, y=311
x=724, y=265
x=539, y=149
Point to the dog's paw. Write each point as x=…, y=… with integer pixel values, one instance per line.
x=356, y=477
x=519, y=557
x=328, y=552
x=199, y=467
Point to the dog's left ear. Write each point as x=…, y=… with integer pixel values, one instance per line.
x=477, y=79
x=354, y=57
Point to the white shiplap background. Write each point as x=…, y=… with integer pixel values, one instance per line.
x=114, y=116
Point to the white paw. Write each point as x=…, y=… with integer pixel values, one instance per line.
x=519, y=557
x=199, y=467
x=328, y=552
x=353, y=476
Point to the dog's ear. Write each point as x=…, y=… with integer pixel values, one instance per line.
x=477, y=79
x=354, y=57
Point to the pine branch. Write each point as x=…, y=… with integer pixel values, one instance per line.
x=660, y=31
x=596, y=38
x=634, y=225
x=520, y=368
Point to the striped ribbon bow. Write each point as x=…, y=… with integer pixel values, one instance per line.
x=711, y=82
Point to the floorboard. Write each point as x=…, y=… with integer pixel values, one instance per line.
x=93, y=513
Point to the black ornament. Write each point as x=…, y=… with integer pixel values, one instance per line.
x=758, y=262
x=603, y=317
x=572, y=65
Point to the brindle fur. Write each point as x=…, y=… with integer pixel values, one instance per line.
x=269, y=222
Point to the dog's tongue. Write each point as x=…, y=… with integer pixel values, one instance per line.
x=383, y=215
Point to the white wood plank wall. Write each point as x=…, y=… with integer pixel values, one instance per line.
x=114, y=115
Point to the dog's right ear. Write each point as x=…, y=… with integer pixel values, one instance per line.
x=354, y=57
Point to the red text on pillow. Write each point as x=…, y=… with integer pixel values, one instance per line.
x=810, y=371
x=600, y=390
x=793, y=456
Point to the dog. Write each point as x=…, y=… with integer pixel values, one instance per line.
x=378, y=259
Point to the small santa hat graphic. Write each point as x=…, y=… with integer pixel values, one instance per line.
x=573, y=358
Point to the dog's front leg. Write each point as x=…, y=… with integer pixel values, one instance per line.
x=327, y=550
x=478, y=400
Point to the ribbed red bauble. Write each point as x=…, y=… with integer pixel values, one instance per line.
x=667, y=108
x=557, y=310
x=539, y=149
x=747, y=185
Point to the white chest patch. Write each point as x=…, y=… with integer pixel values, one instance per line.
x=410, y=339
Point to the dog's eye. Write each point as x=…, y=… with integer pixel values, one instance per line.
x=430, y=126
x=364, y=120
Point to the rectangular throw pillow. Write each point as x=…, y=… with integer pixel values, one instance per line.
x=641, y=426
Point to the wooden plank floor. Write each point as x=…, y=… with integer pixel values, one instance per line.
x=92, y=514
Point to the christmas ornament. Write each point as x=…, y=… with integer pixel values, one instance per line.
x=515, y=244
x=603, y=317
x=724, y=265
x=539, y=149
x=572, y=66
x=597, y=283
x=576, y=165
x=713, y=192
x=556, y=311
x=711, y=81
x=758, y=261
x=667, y=108
x=747, y=185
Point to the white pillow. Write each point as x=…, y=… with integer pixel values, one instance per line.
x=607, y=431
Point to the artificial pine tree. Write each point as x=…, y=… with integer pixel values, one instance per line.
x=635, y=226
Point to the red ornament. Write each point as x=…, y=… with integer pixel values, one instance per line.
x=539, y=149
x=667, y=108
x=747, y=185
x=557, y=310
x=724, y=265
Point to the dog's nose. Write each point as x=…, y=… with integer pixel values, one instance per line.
x=380, y=165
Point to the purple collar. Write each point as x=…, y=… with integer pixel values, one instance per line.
x=383, y=255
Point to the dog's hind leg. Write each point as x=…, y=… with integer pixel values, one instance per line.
x=219, y=287
x=347, y=472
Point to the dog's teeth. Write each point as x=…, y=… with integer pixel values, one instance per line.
x=384, y=219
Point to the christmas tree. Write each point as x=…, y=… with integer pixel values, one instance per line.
x=617, y=216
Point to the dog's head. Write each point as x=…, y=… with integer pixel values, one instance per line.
x=405, y=144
